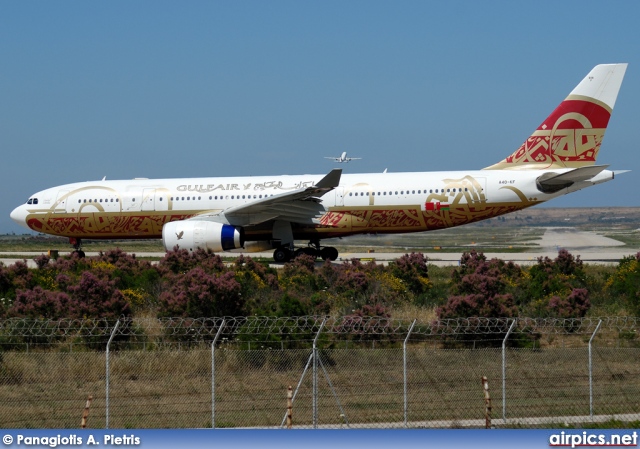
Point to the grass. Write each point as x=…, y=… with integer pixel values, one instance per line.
x=172, y=388
x=465, y=238
x=629, y=238
x=42, y=243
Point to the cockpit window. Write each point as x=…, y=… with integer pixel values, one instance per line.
x=32, y=201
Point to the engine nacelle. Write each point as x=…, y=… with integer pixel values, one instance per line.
x=193, y=234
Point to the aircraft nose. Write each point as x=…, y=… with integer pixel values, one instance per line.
x=19, y=215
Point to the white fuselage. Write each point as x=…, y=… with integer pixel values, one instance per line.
x=372, y=202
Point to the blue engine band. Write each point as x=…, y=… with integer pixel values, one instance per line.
x=227, y=237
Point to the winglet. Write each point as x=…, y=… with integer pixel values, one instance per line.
x=331, y=180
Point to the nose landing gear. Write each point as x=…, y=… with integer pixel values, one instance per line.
x=77, y=246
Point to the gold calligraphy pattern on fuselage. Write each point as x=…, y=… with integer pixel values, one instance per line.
x=104, y=225
x=461, y=201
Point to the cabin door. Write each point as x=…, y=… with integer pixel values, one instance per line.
x=339, y=196
x=61, y=202
x=149, y=199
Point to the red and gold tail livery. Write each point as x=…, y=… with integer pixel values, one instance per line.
x=571, y=136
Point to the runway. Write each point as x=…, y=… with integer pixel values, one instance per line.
x=591, y=247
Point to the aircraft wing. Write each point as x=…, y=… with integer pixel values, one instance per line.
x=298, y=206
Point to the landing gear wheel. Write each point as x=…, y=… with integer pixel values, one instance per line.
x=282, y=255
x=329, y=253
x=308, y=251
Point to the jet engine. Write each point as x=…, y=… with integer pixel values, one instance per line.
x=193, y=234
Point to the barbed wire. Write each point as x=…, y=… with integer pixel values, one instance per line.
x=199, y=329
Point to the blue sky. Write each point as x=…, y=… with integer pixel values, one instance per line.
x=219, y=88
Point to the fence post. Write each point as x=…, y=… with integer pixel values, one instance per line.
x=404, y=359
x=113, y=332
x=213, y=375
x=315, y=376
x=487, y=403
x=504, y=372
x=591, y=371
x=289, y=407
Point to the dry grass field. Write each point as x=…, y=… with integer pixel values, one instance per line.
x=362, y=387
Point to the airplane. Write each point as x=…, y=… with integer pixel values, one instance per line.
x=342, y=158
x=271, y=212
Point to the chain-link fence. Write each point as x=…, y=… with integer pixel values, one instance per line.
x=345, y=372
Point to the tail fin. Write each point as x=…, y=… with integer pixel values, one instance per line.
x=571, y=136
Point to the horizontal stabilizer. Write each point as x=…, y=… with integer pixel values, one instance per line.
x=552, y=182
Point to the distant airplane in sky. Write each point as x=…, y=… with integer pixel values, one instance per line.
x=257, y=213
x=342, y=158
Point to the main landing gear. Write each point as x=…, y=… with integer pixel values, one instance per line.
x=77, y=245
x=286, y=253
